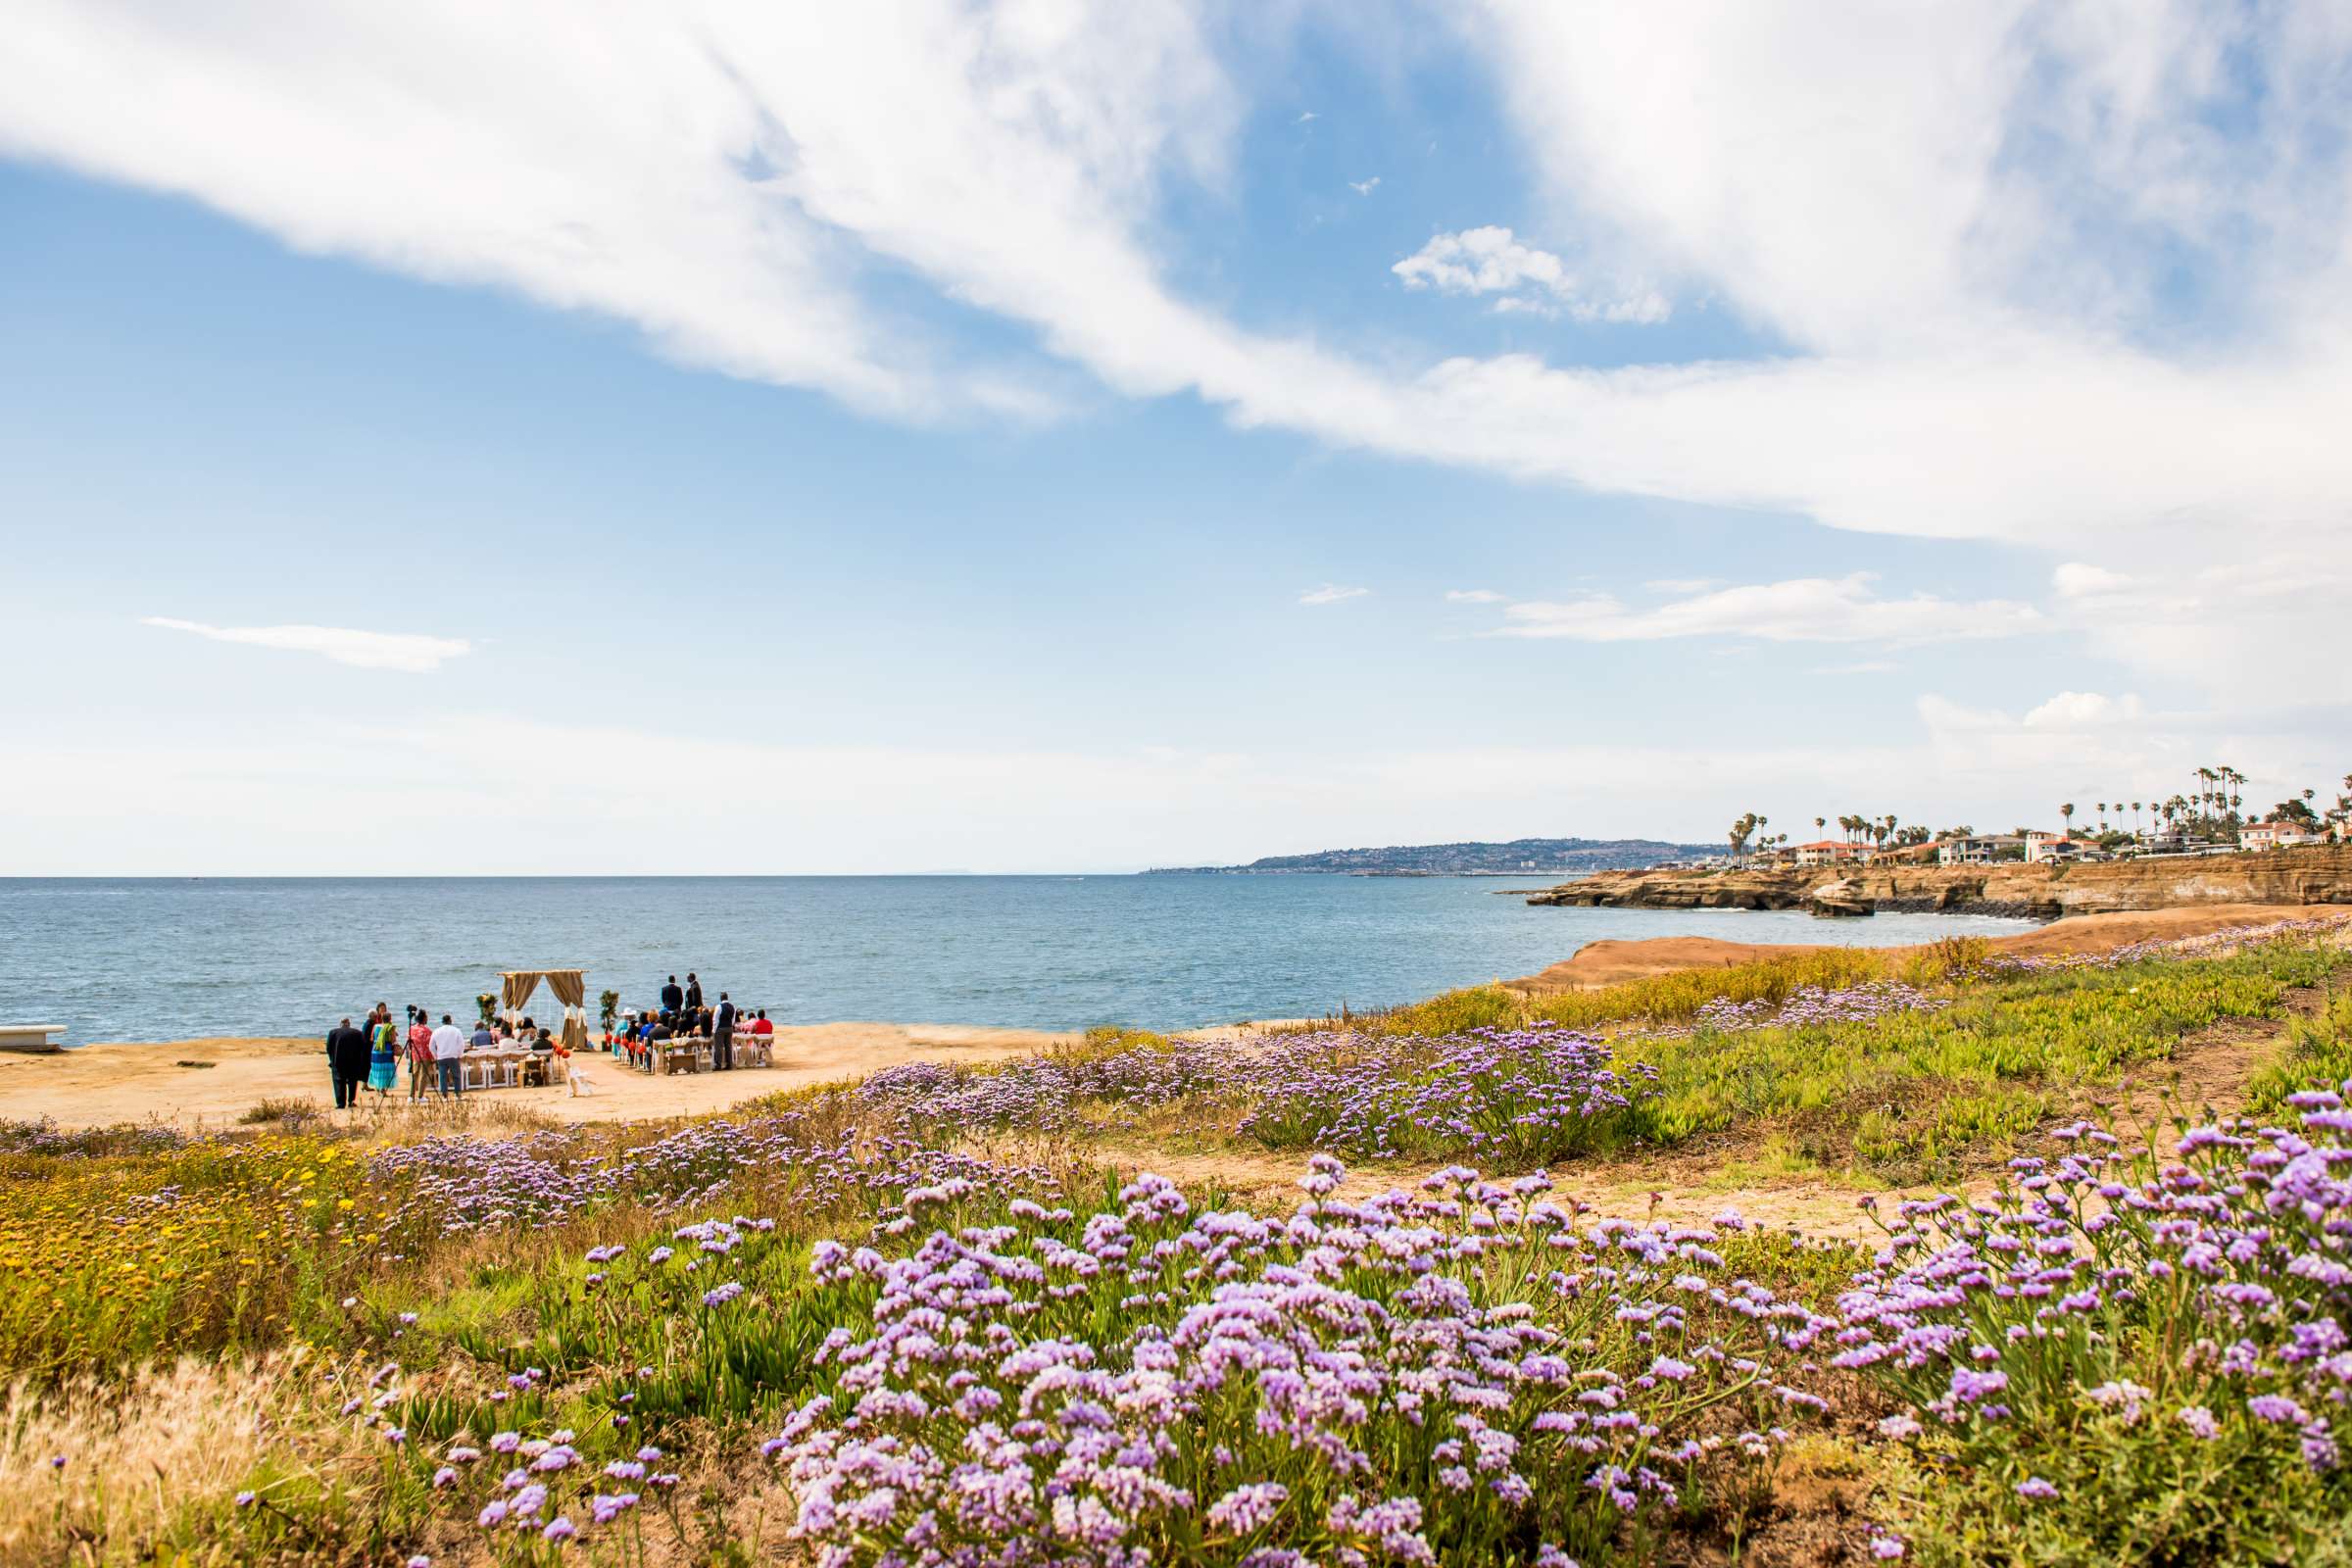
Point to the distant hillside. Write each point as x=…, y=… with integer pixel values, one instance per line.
x=1518, y=858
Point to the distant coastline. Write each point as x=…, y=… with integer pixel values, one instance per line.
x=1508, y=858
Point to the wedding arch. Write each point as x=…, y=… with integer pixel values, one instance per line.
x=570, y=986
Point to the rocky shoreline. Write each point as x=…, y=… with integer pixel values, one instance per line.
x=2318, y=874
x=1999, y=908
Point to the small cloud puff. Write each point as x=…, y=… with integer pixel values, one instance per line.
x=1331, y=593
x=1473, y=596
x=406, y=652
x=1364, y=187
x=1491, y=260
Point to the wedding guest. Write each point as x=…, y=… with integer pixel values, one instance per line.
x=483, y=1039
x=420, y=1054
x=347, y=1061
x=672, y=998
x=384, y=1051
x=722, y=1035
x=694, y=993
x=447, y=1045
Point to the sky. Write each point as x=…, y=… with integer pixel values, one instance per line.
x=712, y=438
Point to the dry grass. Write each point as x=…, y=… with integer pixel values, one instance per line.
x=156, y=1457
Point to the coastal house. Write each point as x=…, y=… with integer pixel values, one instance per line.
x=2275, y=835
x=1832, y=852
x=1981, y=851
x=2059, y=847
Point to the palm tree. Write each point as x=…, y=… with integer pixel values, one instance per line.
x=1820, y=823
x=2066, y=811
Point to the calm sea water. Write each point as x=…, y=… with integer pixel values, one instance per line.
x=155, y=959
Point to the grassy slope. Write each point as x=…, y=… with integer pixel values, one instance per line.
x=264, y=1241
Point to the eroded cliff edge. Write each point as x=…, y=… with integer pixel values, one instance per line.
x=2315, y=875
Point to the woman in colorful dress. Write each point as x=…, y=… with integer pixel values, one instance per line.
x=383, y=1053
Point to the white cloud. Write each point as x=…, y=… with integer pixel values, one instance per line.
x=1473, y=596
x=1811, y=609
x=1364, y=187
x=2078, y=581
x=1331, y=593
x=1977, y=344
x=2078, y=711
x=2267, y=622
x=1305, y=115
x=364, y=650
x=1490, y=260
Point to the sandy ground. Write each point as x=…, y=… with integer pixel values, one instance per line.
x=1609, y=962
x=97, y=1086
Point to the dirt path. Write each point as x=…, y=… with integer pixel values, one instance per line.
x=1609, y=961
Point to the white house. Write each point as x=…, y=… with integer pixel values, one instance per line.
x=2275, y=835
x=2056, y=847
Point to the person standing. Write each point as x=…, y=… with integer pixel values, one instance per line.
x=447, y=1045
x=347, y=1060
x=420, y=1054
x=672, y=998
x=722, y=1035
x=694, y=992
x=384, y=1051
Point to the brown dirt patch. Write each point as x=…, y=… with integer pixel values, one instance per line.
x=1609, y=961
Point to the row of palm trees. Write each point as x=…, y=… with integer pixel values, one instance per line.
x=1875, y=830
x=2211, y=809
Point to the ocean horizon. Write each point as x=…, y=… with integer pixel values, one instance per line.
x=179, y=957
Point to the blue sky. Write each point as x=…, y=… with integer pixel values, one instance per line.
x=991, y=441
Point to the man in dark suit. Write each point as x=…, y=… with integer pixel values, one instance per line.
x=347, y=1060
x=694, y=993
x=672, y=998
x=722, y=1035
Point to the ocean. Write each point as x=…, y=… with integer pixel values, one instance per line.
x=152, y=960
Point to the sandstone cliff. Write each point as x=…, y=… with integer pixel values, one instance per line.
x=2316, y=874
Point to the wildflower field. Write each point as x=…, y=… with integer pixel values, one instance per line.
x=951, y=1317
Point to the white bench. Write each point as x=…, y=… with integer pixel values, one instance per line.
x=33, y=1037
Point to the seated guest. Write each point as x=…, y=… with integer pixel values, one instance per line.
x=483, y=1039
x=543, y=1041
x=761, y=1025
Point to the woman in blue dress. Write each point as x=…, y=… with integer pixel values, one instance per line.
x=383, y=1053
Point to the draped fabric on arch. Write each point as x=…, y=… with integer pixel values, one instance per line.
x=571, y=987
